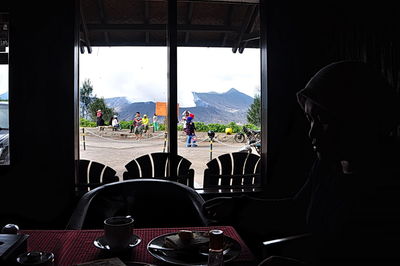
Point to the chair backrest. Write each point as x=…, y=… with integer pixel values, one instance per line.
x=151, y=202
x=155, y=165
x=233, y=171
x=93, y=174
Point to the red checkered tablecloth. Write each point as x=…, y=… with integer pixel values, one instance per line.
x=71, y=247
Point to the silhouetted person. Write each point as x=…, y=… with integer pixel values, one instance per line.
x=348, y=203
x=352, y=111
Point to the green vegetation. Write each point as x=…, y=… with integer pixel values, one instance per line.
x=125, y=124
x=86, y=123
x=98, y=103
x=200, y=126
x=85, y=97
x=90, y=104
x=254, y=111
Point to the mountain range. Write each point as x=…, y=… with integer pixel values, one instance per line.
x=211, y=107
x=4, y=96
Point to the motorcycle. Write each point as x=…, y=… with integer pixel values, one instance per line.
x=253, y=144
x=251, y=134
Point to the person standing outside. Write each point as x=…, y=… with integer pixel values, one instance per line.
x=132, y=126
x=190, y=132
x=99, y=116
x=155, y=122
x=145, y=122
x=185, y=115
x=137, y=125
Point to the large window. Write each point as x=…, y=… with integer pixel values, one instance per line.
x=124, y=70
x=218, y=87
x=121, y=81
x=124, y=76
x=218, y=79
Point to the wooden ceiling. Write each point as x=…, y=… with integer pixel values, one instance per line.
x=201, y=23
x=3, y=31
x=4, y=20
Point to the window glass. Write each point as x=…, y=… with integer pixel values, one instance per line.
x=4, y=114
x=218, y=80
x=125, y=73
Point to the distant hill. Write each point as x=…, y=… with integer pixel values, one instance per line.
x=221, y=107
x=4, y=96
x=128, y=111
x=118, y=103
x=230, y=101
x=210, y=107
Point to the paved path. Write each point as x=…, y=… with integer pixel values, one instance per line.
x=116, y=149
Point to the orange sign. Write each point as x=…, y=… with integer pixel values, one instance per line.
x=161, y=109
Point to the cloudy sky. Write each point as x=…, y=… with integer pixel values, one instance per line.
x=3, y=78
x=140, y=73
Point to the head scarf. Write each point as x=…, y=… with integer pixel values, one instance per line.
x=355, y=92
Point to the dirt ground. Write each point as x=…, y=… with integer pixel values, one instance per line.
x=117, y=148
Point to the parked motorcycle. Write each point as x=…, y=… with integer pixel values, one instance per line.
x=251, y=134
x=254, y=144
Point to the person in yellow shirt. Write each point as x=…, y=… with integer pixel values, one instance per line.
x=145, y=122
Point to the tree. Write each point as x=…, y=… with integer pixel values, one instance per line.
x=98, y=103
x=254, y=111
x=85, y=97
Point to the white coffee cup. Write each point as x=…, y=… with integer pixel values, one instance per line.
x=118, y=232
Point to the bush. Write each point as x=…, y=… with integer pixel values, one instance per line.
x=251, y=126
x=86, y=123
x=201, y=127
x=125, y=124
x=217, y=127
x=235, y=127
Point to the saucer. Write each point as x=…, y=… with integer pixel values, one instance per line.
x=101, y=242
x=155, y=247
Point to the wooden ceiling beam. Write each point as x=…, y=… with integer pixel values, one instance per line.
x=157, y=43
x=249, y=29
x=100, y=6
x=146, y=20
x=85, y=31
x=160, y=27
x=3, y=58
x=250, y=37
x=246, y=21
x=228, y=23
x=189, y=20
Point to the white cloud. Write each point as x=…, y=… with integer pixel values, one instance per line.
x=140, y=73
x=3, y=78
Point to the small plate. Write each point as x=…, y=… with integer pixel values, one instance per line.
x=134, y=263
x=101, y=242
x=179, y=257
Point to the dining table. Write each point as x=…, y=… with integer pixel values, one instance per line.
x=72, y=247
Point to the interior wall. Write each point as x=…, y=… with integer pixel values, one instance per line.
x=37, y=188
x=291, y=59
